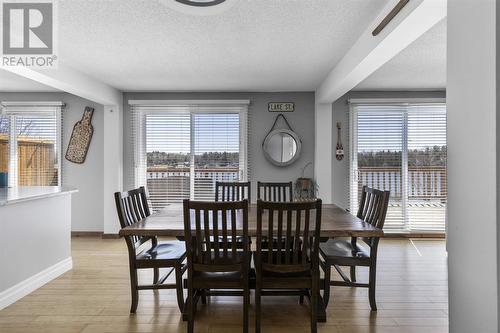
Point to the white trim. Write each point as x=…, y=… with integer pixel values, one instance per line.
x=23, y=288
x=32, y=103
x=395, y=100
x=185, y=102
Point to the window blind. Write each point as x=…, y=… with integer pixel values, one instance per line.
x=182, y=149
x=30, y=140
x=402, y=148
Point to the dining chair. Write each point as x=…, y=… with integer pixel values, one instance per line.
x=341, y=252
x=232, y=191
x=289, y=266
x=277, y=192
x=213, y=266
x=132, y=206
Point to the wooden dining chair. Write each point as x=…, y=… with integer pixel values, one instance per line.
x=341, y=252
x=232, y=191
x=277, y=192
x=213, y=266
x=289, y=266
x=132, y=206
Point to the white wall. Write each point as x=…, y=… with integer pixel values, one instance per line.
x=87, y=204
x=31, y=245
x=472, y=170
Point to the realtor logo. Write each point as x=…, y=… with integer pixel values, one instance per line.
x=28, y=34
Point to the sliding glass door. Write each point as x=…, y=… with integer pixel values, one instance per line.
x=402, y=148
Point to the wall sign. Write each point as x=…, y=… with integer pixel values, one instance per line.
x=281, y=107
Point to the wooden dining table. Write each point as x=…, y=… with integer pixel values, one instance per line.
x=335, y=222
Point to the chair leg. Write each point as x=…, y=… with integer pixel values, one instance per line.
x=246, y=305
x=314, y=304
x=257, y=305
x=190, y=311
x=178, y=284
x=156, y=275
x=301, y=299
x=203, y=297
x=371, y=287
x=326, y=286
x=133, y=289
x=353, y=273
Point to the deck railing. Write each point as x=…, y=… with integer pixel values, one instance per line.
x=423, y=182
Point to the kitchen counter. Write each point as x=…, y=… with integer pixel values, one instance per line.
x=14, y=195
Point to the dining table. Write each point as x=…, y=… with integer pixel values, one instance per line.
x=335, y=222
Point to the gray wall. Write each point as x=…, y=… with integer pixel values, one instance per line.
x=340, y=109
x=87, y=204
x=260, y=122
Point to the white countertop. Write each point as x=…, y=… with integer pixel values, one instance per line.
x=13, y=195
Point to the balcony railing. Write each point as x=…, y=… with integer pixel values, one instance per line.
x=171, y=184
x=424, y=183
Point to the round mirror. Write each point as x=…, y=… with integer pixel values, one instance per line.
x=282, y=147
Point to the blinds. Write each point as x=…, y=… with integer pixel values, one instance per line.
x=402, y=148
x=182, y=148
x=30, y=140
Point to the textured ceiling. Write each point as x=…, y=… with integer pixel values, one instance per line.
x=422, y=65
x=255, y=45
x=14, y=83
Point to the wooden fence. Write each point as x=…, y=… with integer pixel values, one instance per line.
x=36, y=161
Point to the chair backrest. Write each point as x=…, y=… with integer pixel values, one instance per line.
x=212, y=231
x=277, y=192
x=373, y=206
x=132, y=206
x=296, y=228
x=232, y=191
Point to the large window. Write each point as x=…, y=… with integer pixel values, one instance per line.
x=181, y=150
x=30, y=141
x=401, y=147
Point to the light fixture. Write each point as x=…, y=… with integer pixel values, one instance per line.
x=200, y=7
x=201, y=3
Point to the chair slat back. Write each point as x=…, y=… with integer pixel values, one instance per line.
x=232, y=191
x=276, y=192
x=297, y=226
x=373, y=209
x=132, y=206
x=211, y=234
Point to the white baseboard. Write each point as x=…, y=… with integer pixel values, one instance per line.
x=23, y=288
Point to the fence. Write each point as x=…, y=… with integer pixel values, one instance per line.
x=36, y=161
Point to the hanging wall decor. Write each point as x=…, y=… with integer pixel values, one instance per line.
x=80, y=138
x=339, y=150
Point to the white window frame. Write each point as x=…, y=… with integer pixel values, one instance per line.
x=191, y=107
x=12, y=109
x=353, y=136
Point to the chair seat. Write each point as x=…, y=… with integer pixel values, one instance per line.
x=341, y=252
x=168, y=251
x=217, y=280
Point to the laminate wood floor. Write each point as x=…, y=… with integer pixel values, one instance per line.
x=95, y=297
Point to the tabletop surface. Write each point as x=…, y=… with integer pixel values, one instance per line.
x=335, y=222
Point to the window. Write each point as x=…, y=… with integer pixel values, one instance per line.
x=402, y=148
x=30, y=143
x=182, y=149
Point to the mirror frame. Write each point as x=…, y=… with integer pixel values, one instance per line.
x=293, y=135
